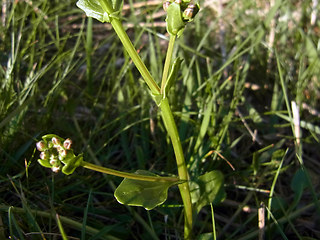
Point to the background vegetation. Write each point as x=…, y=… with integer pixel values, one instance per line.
x=244, y=64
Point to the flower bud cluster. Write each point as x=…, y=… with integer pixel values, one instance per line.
x=54, y=150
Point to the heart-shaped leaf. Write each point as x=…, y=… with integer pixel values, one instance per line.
x=207, y=189
x=142, y=193
x=93, y=9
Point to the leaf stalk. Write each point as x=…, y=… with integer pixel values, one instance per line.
x=128, y=175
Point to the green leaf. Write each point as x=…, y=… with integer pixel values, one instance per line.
x=71, y=164
x=207, y=189
x=299, y=181
x=194, y=191
x=44, y=163
x=175, y=23
x=48, y=137
x=142, y=193
x=93, y=9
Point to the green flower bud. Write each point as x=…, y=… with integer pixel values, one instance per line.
x=50, y=145
x=53, y=157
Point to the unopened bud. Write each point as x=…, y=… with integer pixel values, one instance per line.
x=62, y=153
x=53, y=157
x=165, y=5
x=67, y=144
x=59, y=148
x=56, y=142
x=53, y=162
x=41, y=146
x=55, y=169
x=189, y=11
x=178, y=1
x=43, y=155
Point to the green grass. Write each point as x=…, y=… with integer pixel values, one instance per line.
x=61, y=73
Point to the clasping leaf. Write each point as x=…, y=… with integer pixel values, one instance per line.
x=175, y=23
x=172, y=76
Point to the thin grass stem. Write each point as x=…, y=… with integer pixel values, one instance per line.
x=214, y=234
x=61, y=229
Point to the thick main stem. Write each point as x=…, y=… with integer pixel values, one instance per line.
x=171, y=127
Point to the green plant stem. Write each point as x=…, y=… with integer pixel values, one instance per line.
x=171, y=127
x=167, y=62
x=128, y=175
x=118, y=28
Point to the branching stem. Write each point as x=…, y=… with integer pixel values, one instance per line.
x=166, y=112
